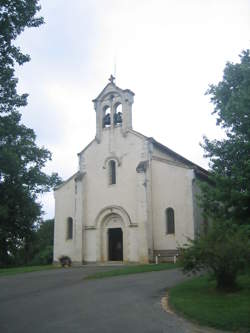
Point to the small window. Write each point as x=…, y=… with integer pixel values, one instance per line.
x=170, y=221
x=69, y=228
x=112, y=172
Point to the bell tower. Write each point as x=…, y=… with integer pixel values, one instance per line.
x=113, y=108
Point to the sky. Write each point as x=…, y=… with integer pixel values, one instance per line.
x=166, y=51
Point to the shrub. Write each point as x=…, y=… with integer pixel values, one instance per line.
x=44, y=256
x=65, y=261
x=223, y=251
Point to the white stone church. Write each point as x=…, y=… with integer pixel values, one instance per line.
x=132, y=198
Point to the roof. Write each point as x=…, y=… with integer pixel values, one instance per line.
x=65, y=181
x=112, y=86
x=83, y=150
x=76, y=176
x=177, y=156
x=199, y=171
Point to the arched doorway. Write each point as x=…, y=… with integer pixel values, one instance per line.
x=112, y=244
x=113, y=238
x=115, y=244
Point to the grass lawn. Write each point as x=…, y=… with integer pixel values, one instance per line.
x=132, y=270
x=24, y=269
x=198, y=299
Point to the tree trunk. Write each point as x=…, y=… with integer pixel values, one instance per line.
x=226, y=281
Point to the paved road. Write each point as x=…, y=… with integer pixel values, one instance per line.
x=62, y=301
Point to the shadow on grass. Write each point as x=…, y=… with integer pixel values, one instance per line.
x=199, y=300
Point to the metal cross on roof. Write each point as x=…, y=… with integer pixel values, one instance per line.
x=112, y=79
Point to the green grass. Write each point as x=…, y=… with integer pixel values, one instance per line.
x=24, y=269
x=132, y=270
x=199, y=300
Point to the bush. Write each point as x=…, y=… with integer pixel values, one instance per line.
x=65, y=261
x=44, y=257
x=223, y=251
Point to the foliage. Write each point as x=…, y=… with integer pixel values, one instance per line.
x=45, y=234
x=40, y=246
x=44, y=256
x=65, y=261
x=43, y=244
x=21, y=160
x=15, y=16
x=223, y=251
x=229, y=198
x=198, y=299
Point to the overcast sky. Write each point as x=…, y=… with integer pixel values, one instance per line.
x=166, y=51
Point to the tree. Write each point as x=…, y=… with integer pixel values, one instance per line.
x=229, y=198
x=43, y=243
x=15, y=16
x=225, y=249
x=40, y=250
x=21, y=160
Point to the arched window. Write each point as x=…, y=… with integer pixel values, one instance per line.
x=118, y=114
x=170, y=221
x=106, y=121
x=112, y=172
x=69, y=228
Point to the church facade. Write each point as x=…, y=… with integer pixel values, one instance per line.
x=131, y=199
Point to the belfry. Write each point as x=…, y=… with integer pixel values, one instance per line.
x=113, y=108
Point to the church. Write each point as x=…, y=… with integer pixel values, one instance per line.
x=132, y=198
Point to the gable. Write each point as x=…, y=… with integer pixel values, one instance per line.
x=117, y=146
x=111, y=88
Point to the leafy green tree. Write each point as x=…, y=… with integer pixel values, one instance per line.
x=43, y=243
x=225, y=249
x=40, y=246
x=45, y=233
x=15, y=16
x=229, y=198
x=21, y=160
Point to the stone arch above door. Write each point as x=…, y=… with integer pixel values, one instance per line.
x=116, y=210
x=108, y=218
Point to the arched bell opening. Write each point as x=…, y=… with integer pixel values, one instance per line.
x=106, y=120
x=118, y=114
